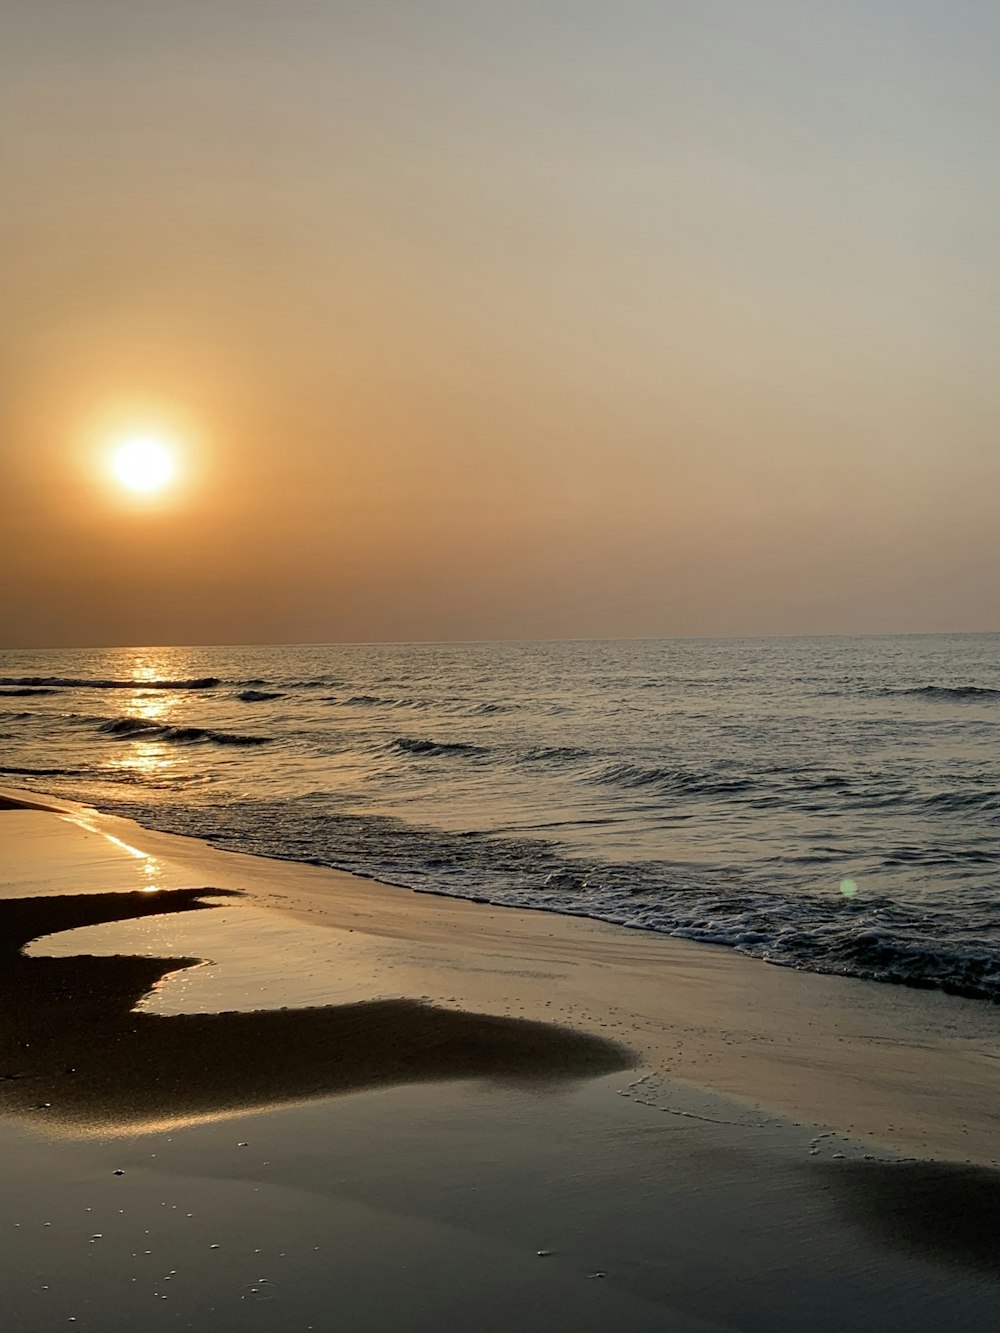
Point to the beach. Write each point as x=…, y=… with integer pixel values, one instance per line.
x=373, y=1108
x=499, y=668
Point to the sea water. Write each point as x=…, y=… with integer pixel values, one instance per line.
x=824, y=803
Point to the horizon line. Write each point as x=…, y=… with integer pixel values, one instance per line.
x=431, y=643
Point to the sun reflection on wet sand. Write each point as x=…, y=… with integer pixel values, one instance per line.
x=151, y=868
x=153, y=874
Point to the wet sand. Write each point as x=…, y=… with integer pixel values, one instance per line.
x=479, y=1116
x=72, y=1047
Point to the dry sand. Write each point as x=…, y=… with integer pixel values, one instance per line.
x=750, y=1176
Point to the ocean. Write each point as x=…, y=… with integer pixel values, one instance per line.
x=828, y=804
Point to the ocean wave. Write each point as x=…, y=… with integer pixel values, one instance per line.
x=874, y=953
x=963, y=800
x=420, y=745
x=869, y=951
x=945, y=692
x=931, y=693
x=89, y=683
x=26, y=691
x=128, y=728
x=379, y=701
x=258, y=696
x=670, y=781
x=409, y=702
x=552, y=754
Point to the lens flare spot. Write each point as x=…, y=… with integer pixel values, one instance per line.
x=848, y=888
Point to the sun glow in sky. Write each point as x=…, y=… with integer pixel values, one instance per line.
x=474, y=320
x=143, y=464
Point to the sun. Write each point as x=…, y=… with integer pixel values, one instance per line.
x=143, y=464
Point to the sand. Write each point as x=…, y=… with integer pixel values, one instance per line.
x=463, y=1115
x=71, y=1045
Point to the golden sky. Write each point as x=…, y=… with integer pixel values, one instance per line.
x=486, y=320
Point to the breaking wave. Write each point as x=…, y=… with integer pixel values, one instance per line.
x=670, y=781
x=945, y=693
x=128, y=728
x=419, y=745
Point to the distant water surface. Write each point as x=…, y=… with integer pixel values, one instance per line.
x=826, y=803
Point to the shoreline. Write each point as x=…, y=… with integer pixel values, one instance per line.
x=239, y=1093
x=914, y=1071
x=44, y=801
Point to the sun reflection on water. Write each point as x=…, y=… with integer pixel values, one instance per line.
x=144, y=760
x=146, y=664
x=152, y=705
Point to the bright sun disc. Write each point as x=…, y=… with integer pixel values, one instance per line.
x=143, y=465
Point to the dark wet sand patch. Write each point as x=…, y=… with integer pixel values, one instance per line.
x=948, y=1211
x=73, y=1051
x=9, y=803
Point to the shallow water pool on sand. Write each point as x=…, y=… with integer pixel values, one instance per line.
x=251, y=959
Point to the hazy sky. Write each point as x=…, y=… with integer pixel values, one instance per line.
x=491, y=319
